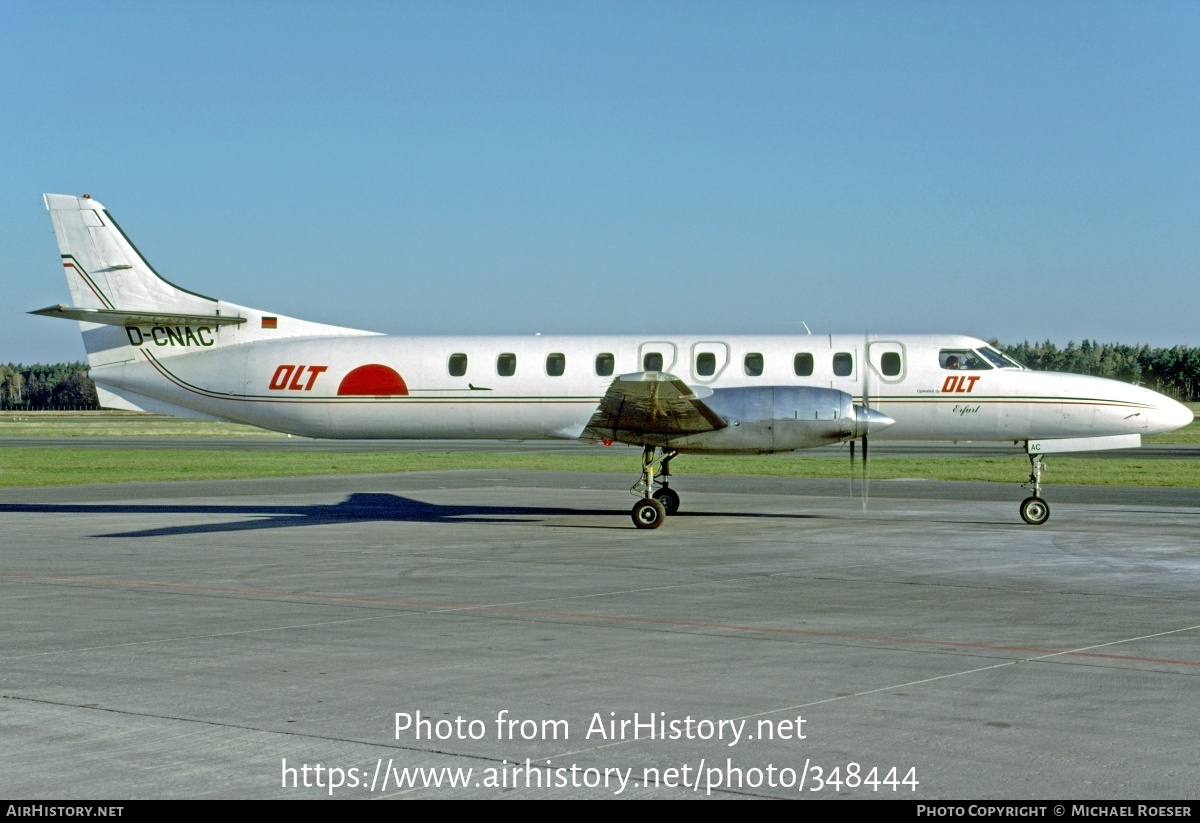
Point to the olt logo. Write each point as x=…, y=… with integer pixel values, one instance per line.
x=295, y=378
x=960, y=383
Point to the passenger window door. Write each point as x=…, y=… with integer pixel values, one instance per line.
x=888, y=360
x=709, y=359
x=660, y=354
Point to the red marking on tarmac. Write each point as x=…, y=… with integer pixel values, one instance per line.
x=602, y=618
x=372, y=380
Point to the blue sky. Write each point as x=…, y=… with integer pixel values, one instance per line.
x=1010, y=170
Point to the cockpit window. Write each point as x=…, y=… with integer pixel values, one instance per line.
x=998, y=359
x=961, y=360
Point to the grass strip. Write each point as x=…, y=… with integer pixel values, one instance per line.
x=126, y=424
x=52, y=467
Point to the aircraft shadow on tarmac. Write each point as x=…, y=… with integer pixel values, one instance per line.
x=359, y=507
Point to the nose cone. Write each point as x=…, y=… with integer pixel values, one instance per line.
x=1167, y=416
x=869, y=421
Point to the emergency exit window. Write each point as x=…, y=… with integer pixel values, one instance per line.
x=889, y=364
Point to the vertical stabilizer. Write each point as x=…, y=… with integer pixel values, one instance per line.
x=106, y=271
x=123, y=306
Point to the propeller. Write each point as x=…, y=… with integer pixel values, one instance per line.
x=866, y=398
x=866, y=476
x=852, y=468
x=867, y=421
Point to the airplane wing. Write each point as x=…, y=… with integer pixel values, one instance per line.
x=651, y=403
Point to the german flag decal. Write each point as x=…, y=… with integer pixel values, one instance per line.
x=270, y=322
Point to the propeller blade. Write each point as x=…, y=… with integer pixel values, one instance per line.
x=851, y=468
x=866, y=476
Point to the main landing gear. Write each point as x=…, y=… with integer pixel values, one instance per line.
x=1034, y=510
x=655, y=504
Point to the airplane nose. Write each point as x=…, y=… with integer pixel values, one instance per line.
x=869, y=421
x=1169, y=415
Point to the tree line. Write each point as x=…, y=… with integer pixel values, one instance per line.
x=47, y=387
x=1174, y=371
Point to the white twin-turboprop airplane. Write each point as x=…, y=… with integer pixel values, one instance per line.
x=155, y=347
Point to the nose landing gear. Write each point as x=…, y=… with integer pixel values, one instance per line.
x=1034, y=510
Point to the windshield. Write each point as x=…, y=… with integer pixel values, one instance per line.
x=961, y=360
x=999, y=359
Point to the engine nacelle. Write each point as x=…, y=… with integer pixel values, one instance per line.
x=765, y=419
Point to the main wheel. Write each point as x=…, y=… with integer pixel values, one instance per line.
x=1035, y=511
x=669, y=499
x=648, y=514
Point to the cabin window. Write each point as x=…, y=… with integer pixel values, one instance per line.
x=706, y=364
x=506, y=364
x=652, y=361
x=889, y=364
x=458, y=365
x=961, y=360
x=556, y=364
x=753, y=364
x=843, y=364
x=605, y=364
x=802, y=365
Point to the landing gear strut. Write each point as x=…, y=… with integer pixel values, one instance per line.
x=655, y=504
x=1034, y=510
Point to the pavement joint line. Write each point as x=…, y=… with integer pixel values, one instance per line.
x=287, y=733
x=923, y=681
x=425, y=608
x=243, y=727
x=1035, y=659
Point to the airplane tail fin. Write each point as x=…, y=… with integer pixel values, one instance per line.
x=123, y=305
x=106, y=271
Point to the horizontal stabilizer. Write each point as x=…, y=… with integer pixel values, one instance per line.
x=118, y=317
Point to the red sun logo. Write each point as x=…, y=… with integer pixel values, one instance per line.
x=372, y=380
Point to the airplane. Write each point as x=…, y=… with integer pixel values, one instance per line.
x=155, y=347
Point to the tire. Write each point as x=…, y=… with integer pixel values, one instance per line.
x=669, y=499
x=648, y=514
x=1035, y=511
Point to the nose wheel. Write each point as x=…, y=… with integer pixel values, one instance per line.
x=1034, y=510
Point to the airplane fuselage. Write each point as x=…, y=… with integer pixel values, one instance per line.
x=547, y=387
